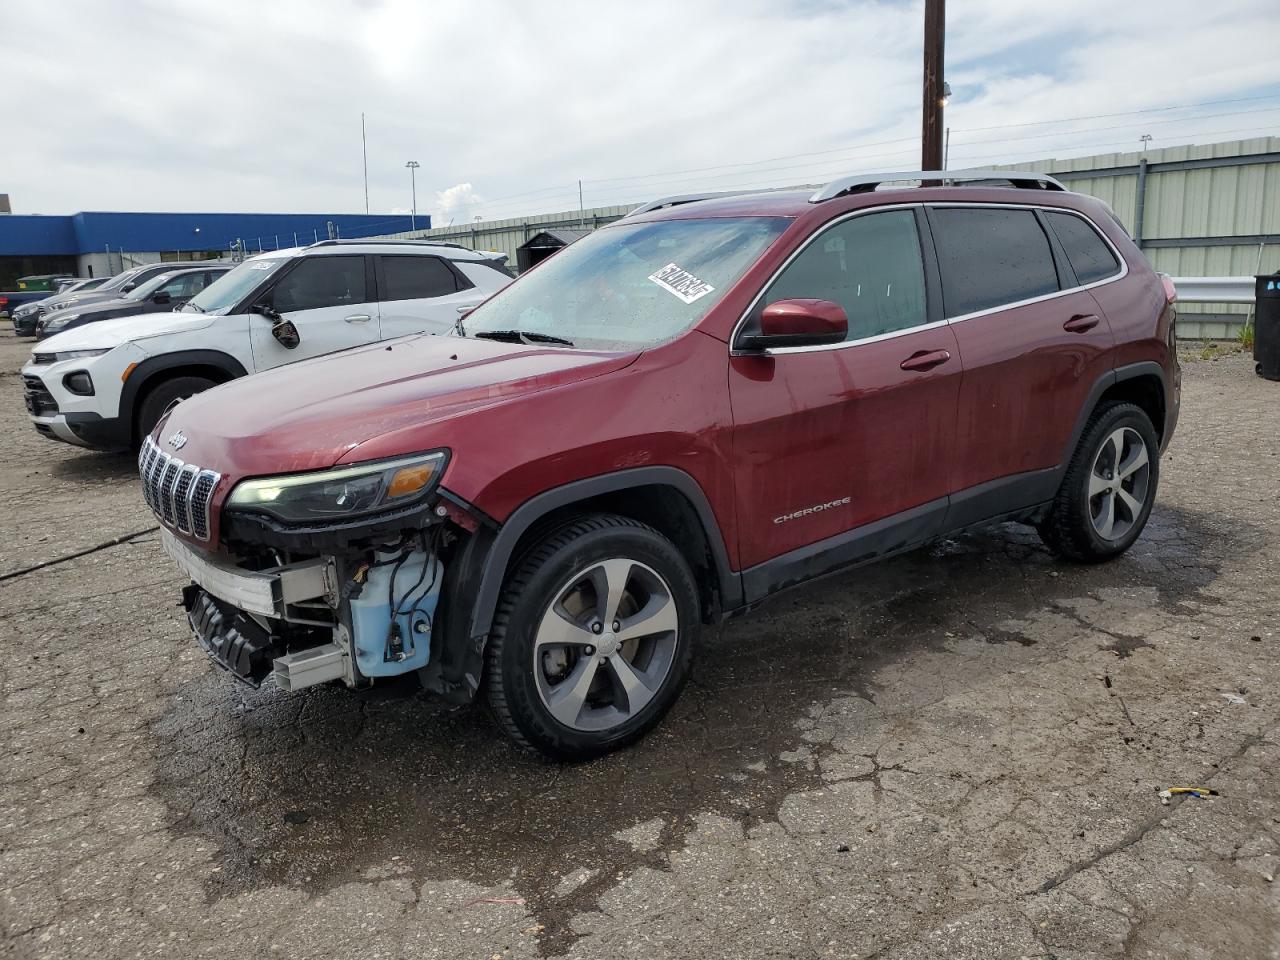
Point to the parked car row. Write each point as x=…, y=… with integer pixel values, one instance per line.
x=668, y=422
x=111, y=367
x=26, y=317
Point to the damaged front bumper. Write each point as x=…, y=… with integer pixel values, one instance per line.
x=316, y=620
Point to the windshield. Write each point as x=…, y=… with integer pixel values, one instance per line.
x=230, y=288
x=119, y=280
x=144, y=290
x=628, y=285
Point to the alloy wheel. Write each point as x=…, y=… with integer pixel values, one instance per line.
x=1119, y=483
x=605, y=644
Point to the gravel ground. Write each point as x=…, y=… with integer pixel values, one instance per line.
x=952, y=754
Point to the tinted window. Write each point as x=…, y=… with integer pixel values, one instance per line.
x=870, y=265
x=1090, y=257
x=414, y=278
x=991, y=257
x=321, y=282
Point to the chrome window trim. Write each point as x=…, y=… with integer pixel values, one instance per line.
x=782, y=351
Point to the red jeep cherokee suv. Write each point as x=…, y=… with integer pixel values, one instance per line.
x=683, y=413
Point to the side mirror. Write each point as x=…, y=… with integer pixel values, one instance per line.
x=161, y=298
x=798, y=323
x=286, y=333
x=265, y=310
x=127, y=287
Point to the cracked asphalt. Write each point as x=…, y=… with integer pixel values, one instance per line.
x=955, y=753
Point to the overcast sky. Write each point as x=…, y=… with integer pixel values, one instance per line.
x=255, y=106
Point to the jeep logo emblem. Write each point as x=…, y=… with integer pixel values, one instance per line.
x=178, y=440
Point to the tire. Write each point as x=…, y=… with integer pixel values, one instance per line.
x=569, y=700
x=1118, y=435
x=161, y=397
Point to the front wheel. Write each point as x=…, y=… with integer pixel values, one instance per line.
x=593, y=638
x=163, y=396
x=1109, y=487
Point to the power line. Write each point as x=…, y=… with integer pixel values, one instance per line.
x=1108, y=116
x=1126, y=126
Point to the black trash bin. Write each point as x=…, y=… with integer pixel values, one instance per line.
x=1266, y=326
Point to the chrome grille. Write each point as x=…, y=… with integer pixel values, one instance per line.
x=178, y=493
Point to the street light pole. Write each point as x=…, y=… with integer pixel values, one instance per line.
x=413, y=185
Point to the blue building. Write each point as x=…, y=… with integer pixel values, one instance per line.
x=97, y=243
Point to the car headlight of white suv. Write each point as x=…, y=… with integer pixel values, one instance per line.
x=56, y=356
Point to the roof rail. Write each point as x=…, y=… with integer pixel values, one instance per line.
x=336, y=241
x=682, y=198
x=866, y=182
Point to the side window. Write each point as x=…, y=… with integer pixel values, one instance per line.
x=187, y=285
x=321, y=282
x=870, y=265
x=990, y=257
x=416, y=278
x=1090, y=257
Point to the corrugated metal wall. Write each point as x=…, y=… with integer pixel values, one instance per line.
x=506, y=235
x=1211, y=210
x=1193, y=213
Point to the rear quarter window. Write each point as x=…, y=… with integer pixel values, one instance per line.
x=416, y=278
x=1088, y=253
x=990, y=258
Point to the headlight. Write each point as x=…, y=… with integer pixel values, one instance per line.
x=58, y=322
x=71, y=354
x=342, y=492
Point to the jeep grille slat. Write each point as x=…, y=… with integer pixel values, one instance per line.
x=178, y=493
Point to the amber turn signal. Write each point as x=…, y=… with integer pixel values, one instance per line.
x=410, y=479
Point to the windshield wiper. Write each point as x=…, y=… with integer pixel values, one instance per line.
x=192, y=306
x=520, y=336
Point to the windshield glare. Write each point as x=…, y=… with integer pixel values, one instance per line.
x=630, y=285
x=230, y=288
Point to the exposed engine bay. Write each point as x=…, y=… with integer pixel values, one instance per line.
x=364, y=613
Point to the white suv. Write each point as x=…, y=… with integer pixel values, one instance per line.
x=105, y=385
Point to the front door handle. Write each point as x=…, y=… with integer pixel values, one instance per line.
x=925, y=359
x=1081, y=323
x=358, y=318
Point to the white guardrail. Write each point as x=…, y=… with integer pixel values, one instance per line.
x=1214, y=289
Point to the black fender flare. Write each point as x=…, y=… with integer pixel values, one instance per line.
x=148, y=369
x=1104, y=383
x=482, y=566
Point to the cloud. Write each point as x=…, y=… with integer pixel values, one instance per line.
x=518, y=102
x=457, y=204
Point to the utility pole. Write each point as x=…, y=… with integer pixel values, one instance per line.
x=413, y=185
x=364, y=152
x=582, y=215
x=935, y=25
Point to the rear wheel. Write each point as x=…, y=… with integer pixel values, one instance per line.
x=162, y=397
x=1109, y=488
x=593, y=638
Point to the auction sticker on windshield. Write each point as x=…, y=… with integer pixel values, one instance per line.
x=681, y=283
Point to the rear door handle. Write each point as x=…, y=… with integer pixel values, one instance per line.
x=1081, y=323
x=358, y=318
x=925, y=359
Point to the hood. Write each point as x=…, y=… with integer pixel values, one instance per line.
x=311, y=415
x=105, y=334
x=115, y=306
x=67, y=301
